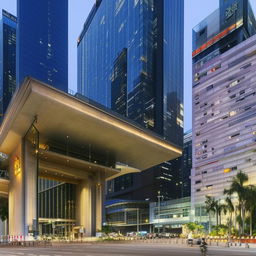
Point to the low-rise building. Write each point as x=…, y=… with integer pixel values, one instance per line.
x=127, y=216
x=169, y=216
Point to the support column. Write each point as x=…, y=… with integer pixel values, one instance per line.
x=84, y=206
x=30, y=188
x=16, y=193
x=100, y=209
x=23, y=196
x=89, y=204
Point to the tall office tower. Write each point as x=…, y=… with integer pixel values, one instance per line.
x=186, y=164
x=180, y=171
x=42, y=41
x=224, y=92
x=130, y=59
x=8, y=26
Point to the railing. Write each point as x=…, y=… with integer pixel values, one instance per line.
x=4, y=174
x=21, y=242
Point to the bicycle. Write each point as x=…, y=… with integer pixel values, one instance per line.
x=204, y=250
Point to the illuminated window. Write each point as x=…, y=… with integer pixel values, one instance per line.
x=232, y=113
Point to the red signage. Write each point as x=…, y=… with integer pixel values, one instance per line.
x=214, y=40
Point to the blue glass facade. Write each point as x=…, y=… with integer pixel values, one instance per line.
x=130, y=59
x=7, y=59
x=42, y=41
x=173, y=40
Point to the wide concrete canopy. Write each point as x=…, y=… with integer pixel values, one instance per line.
x=60, y=115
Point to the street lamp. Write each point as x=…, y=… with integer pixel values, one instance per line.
x=159, y=199
x=138, y=220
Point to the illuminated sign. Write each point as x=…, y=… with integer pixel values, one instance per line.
x=230, y=11
x=17, y=168
x=227, y=170
x=215, y=39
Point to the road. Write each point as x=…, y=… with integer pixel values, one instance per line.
x=122, y=250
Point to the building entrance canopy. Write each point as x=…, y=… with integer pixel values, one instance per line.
x=62, y=117
x=53, y=139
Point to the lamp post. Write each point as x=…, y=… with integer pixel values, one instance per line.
x=159, y=199
x=138, y=220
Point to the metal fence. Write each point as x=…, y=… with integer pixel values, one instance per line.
x=20, y=241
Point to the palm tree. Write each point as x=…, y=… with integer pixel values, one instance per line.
x=210, y=207
x=223, y=208
x=230, y=208
x=219, y=208
x=237, y=187
x=250, y=203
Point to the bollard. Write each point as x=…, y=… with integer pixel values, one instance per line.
x=247, y=246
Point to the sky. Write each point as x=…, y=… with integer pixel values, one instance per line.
x=195, y=11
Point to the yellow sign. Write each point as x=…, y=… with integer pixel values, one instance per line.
x=227, y=170
x=17, y=169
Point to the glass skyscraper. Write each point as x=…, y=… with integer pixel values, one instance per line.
x=42, y=41
x=130, y=59
x=42, y=53
x=8, y=27
x=186, y=164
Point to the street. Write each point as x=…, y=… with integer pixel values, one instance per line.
x=122, y=250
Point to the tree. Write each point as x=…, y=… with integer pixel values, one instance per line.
x=194, y=227
x=218, y=210
x=210, y=207
x=230, y=208
x=220, y=230
x=238, y=187
x=3, y=211
x=250, y=203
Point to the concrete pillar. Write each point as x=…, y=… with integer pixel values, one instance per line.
x=23, y=189
x=89, y=204
x=30, y=193
x=16, y=192
x=99, y=204
x=84, y=206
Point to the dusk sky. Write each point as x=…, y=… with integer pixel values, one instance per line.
x=195, y=11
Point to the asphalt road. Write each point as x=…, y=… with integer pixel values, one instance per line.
x=122, y=250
